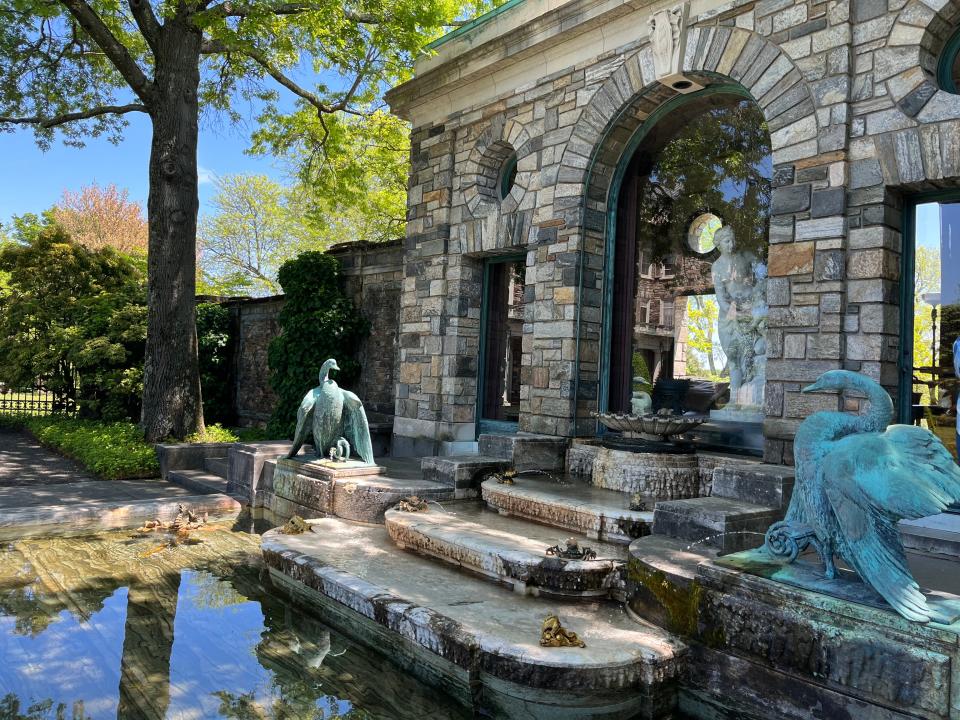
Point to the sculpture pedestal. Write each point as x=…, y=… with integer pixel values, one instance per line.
x=324, y=469
x=791, y=650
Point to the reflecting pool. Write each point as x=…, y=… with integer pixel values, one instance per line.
x=131, y=626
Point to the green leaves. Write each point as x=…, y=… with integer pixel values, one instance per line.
x=317, y=322
x=88, y=317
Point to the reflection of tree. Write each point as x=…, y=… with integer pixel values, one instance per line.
x=718, y=161
x=147, y=645
x=10, y=709
x=702, y=314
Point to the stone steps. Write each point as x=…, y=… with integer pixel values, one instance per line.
x=219, y=466
x=481, y=641
x=595, y=512
x=198, y=481
x=761, y=484
x=509, y=550
x=660, y=581
x=527, y=452
x=289, y=491
x=461, y=472
x=723, y=523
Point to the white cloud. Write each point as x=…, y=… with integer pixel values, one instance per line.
x=205, y=176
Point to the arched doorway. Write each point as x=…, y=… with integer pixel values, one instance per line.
x=687, y=280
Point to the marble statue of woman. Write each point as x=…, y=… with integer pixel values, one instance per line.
x=740, y=282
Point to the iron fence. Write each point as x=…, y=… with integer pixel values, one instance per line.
x=42, y=397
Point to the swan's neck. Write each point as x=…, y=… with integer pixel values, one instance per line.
x=880, y=413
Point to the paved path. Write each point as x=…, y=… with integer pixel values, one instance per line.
x=43, y=493
x=24, y=461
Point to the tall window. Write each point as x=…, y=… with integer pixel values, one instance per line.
x=693, y=209
x=932, y=319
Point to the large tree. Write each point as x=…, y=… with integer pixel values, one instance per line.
x=79, y=66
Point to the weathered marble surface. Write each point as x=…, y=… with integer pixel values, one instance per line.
x=591, y=511
x=509, y=550
x=869, y=661
x=251, y=468
x=458, y=622
x=660, y=475
x=364, y=497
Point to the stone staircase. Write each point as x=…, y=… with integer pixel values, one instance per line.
x=464, y=586
x=207, y=480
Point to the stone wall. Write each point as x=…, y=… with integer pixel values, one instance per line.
x=372, y=279
x=856, y=123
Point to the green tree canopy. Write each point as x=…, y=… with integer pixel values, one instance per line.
x=317, y=322
x=256, y=226
x=711, y=160
x=78, y=67
x=87, y=318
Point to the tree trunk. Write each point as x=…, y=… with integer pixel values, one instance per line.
x=171, y=383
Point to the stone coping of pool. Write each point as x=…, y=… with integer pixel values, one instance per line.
x=489, y=634
x=88, y=516
x=508, y=549
x=791, y=646
x=595, y=512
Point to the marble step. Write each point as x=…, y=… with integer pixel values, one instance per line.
x=219, y=466
x=288, y=491
x=461, y=472
x=660, y=581
x=198, y=481
x=595, y=512
x=527, y=452
x=480, y=641
x=721, y=523
x=509, y=550
x=759, y=483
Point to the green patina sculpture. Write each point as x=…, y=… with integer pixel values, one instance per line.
x=856, y=478
x=336, y=420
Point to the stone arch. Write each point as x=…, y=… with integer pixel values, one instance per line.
x=714, y=55
x=485, y=163
x=907, y=63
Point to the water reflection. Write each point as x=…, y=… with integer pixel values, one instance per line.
x=104, y=628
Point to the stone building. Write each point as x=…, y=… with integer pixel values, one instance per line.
x=529, y=124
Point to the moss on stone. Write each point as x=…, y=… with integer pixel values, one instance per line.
x=681, y=604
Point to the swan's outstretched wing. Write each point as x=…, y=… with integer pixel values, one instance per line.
x=873, y=480
x=304, y=422
x=355, y=427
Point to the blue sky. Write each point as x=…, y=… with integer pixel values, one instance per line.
x=35, y=179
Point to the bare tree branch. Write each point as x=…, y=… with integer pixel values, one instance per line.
x=146, y=21
x=79, y=115
x=114, y=49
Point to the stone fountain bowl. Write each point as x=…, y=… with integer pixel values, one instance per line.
x=652, y=426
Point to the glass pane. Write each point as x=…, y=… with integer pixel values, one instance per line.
x=691, y=255
x=936, y=320
x=503, y=341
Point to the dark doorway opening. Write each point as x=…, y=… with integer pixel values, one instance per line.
x=501, y=345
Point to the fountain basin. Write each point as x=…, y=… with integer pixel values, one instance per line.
x=654, y=426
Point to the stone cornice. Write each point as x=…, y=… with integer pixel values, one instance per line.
x=505, y=50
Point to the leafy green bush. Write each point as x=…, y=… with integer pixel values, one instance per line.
x=213, y=347
x=111, y=450
x=317, y=322
x=212, y=434
x=68, y=311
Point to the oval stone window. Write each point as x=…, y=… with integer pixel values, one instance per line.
x=948, y=69
x=508, y=175
x=702, y=229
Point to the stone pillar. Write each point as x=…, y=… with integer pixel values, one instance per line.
x=439, y=316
